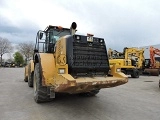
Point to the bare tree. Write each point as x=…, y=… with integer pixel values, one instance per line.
x=27, y=49
x=5, y=46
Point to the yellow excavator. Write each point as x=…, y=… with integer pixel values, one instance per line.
x=131, y=60
x=65, y=62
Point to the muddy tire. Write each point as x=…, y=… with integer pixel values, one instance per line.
x=40, y=92
x=30, y=80
x=26, y=79
x=135, y=74
x=89, y=94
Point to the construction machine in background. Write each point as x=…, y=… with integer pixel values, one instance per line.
x=65, y=62
x=151, y=65
x=131, y=60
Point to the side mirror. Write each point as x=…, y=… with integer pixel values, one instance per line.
x=40, y=35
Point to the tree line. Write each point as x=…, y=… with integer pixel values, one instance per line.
x=22, y=55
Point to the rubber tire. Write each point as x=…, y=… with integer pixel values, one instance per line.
x=40, y=92
x=89, y=94
x=159, y=83
x=30, y=80
x=135, y=74
x=26, y=79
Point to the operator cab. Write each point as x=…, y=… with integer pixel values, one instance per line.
x=47, y=39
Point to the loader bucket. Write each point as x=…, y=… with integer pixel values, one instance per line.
x=85, y=84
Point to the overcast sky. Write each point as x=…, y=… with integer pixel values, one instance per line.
x=121, y=23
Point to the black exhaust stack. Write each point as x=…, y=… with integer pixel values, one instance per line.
x=73, y=28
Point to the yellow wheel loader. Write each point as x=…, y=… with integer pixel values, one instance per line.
x=65, y=62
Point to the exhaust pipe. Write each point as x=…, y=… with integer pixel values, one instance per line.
x=73, y=28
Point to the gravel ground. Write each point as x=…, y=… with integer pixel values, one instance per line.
x=139, y=99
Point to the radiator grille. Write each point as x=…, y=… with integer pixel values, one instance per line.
x=87, y=58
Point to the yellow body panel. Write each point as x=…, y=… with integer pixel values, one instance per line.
x=30, y=68
x=121, y=62
x=26, y=72
x=48, y=68
x=117, y=74
x=50, y=75
x=31, y=65
x=60, y=54
x=138, y=53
